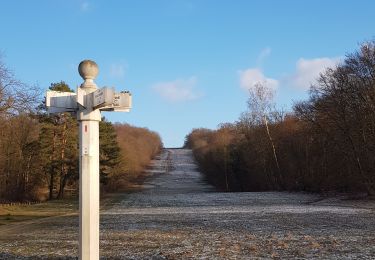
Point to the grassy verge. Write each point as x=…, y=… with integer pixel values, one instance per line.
x=17, y=213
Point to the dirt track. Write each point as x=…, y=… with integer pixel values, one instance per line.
x=179, y=216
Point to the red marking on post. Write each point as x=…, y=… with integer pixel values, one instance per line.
x=85, y=128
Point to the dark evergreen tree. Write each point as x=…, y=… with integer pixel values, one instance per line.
x=60, y=86
x=108, y=149
x=59, y=144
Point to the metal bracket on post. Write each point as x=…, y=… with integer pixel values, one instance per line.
x=87, y=103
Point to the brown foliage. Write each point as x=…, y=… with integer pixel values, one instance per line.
x=19, y=160
x=327, y=143
x=39, y=153
x=137, y=147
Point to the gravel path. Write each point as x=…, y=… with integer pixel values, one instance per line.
x=178, y=216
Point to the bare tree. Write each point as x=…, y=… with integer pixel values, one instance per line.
x=19, y=131
x=16, y=97
x=261, y=111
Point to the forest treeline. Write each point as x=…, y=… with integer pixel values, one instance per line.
x=39, y=152
x=326, y=143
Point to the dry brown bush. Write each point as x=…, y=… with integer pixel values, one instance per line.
x=326, y=144
x=138, y=146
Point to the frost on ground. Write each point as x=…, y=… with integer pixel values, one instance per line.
x=178, y=216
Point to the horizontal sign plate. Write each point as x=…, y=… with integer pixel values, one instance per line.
x=58, y=102
x=103, y=97
x=121, y=102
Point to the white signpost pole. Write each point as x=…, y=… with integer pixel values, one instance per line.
x=87, y=102
x=88, y=165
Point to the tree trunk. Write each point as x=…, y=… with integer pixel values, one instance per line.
x=51, y=185
x=274, y=150
x=52, y=168
x=63, y=174
x=226, y=168
x=62, y=187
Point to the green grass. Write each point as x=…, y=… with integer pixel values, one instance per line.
x=50, y=208
x=19, y=213
x=8, y=219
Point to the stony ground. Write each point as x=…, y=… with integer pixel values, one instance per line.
x=178, y=216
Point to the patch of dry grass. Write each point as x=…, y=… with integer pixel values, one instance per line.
x=18, y=213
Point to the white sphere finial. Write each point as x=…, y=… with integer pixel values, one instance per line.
x=88, y=69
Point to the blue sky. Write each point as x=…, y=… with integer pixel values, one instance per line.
x=188, y=63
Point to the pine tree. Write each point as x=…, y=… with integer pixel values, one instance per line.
x=109, y=150
x=59, y=144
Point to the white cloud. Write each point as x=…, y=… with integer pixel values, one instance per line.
x=307, y=71
x=117, y=71
x=250, y=77
x=85, y=6
x=263, y=55
x=178, y=90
